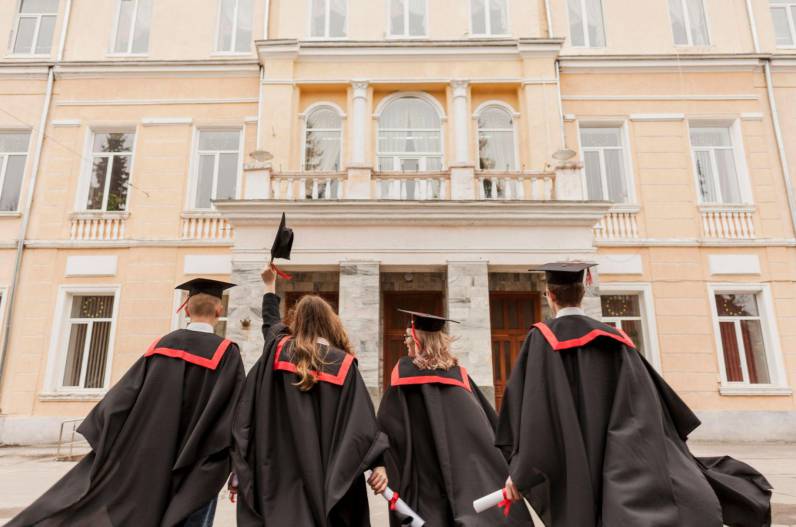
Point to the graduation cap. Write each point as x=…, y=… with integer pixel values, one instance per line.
x=206, y=286
x=565, y=273
x=283, y=244
x=426, y=322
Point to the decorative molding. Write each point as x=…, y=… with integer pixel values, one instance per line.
x=207, y=264
x=752, y=116
x=614, y=263
x=153, y=102
x=63, y=123
x=570, y=117
x=166, y=121
x=122, y=244
x=728, y=97
x=91, y=265
x=697, y=242
x=673, y=62
x=734, y=264
x=150, y=68
x=657, y=117
x=755, y=391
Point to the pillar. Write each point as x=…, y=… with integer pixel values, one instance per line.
x=591, y=301
x=244, y=316
x=462, y=168
x=359, y=173
x=468, y=302
x=360, y=311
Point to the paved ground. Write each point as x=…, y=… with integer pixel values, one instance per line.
x=27, y=472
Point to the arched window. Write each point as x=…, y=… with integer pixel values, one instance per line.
x=323, y=138
x=410, y=136
x=496, y=150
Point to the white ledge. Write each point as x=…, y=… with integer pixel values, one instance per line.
x=72, y=396
x=752, y=390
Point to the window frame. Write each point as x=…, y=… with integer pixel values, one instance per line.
x=627, y=158
x=768, y=324
x=397, y=157
x=194, y=165
x=18, y=15
x=647, y=309
x=514, y=131
x=81, y=197
x=327, y=22
x=304, y=117
x=4, y=167
x=59, y=341
x=406, y=35
x=790, y=18
x=129, y=53
x=739, y=151
x=586, y=39
x=217, y=33
x=488, y=21
x=688, y=29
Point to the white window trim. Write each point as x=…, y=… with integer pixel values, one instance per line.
x=56, y=357
x=3, y=306
x=739, y=151
x=194, y=165
x=233, y=52
x=630, y=174
x=406, y=35
x=586, y=38
x=514, y=117
x=327, y=21
x=768, y=322
x=81, y=196
x=3, y=166
x=15, y=30
x=790, y=19
x=303, y=116
x=688, y=27
x=129, y=53
x=488, y=22
x=648, y=319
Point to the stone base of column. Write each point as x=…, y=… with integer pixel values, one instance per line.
x=358, y=184
x=360, y=311
x=244, y=316
x=569, y=184
x=462, y=182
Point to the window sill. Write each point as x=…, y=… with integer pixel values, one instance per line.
x=748, y=207
x=71, y=396
x=28, y=56
x=10, y=214
x=235, y=54
x=127, y=55
x=99, y=215
x=747, y=390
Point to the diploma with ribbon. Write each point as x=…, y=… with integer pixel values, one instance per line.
x=399, y=506
x=499, y=498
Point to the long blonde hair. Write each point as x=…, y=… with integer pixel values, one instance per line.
x=314, y=318
x=434, y=352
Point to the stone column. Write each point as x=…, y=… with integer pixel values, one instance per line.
x=257, y=180
x=244, y=315
x=569, y=183
x=591, y=302
x=360, y=311
x=462, y=168
x=359, y=122
x=468, y=302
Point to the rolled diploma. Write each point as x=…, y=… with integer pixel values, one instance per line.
x=401, y=507
x=488, y=501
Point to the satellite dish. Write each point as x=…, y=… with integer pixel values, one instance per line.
x=565, y=154
x=262, y=155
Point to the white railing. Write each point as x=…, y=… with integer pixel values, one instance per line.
x=206, y=226
x=308, y=186
x=621, y=223
x=99, y=226
x=733, y=222
x=420, y=186
x=515, y=186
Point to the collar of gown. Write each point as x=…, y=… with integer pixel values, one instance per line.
x=204, y=327
x=567, y=311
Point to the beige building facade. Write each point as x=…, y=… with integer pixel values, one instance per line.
x=427, y=153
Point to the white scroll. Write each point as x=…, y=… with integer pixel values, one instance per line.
x=407, y=515
x=489, y=501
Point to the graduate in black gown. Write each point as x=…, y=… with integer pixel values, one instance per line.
x=442, y=431
x=160, y=439
x=595, y=437
x=306, y=430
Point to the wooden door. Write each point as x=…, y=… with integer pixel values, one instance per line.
x=395, y=322
x=512, y=315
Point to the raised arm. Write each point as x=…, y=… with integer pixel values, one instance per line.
x=271, y=315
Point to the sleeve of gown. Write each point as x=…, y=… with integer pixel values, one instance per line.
x=508, y=425
x=489, y=410
x=685, y=421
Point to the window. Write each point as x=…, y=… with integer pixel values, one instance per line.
x=716, y=165
x=489, y=17
x=13, y=155
x=624, y=312
x=89, y=330
x=407, y=18
x=35, y=27
x=132, y=26
x=111, y=159
x=327, y=18
x=605, y=164
x=496, y=149
x=220, y=328
x=784, y=14
x=689, y=24
x=410, y=136
x=235, y=26
x=742, y=337
x=218, y=164
x=323, y=140
x=586, y=28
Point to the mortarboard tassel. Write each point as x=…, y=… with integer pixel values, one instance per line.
x=589, y=280
x=183, y=304
x=281, y=273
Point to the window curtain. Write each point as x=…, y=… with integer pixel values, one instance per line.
x=594, y=20
x=678, y=22
x=781, y=25
x=576, y=33
x=732, y=356
x=756, y=361
x=409, y=125
x=699, y=24
x=496, y=140
x=323, y=142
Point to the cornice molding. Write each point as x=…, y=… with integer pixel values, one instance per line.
x=667, y=62
x=155, y=68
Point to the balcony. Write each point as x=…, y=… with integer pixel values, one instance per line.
x=620, y=224
x=98, y=226
x=728, y=221
x=205, y=226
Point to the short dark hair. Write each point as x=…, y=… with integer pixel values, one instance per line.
x=569, y=295
x=203, y=305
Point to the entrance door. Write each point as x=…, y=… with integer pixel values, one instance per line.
x=292, y=298
x=512, y=315
x=395, y=323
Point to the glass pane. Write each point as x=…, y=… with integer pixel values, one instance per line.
x=386, y=164
x=225, y=25
x=142, y=24
x=593, y=171
x=227, y=176
x=755, y=347
x=397, y=17
x=325, y=118
x=417, y=18
x=45, y=38
x=96, y=188
x=732, y=357
x=618, y=306
x=26, y=28
x=678, y=22
x=318, y=18
x=704, y=168
x=74, y=354
x=410, y=165
x=495, y=118
x=781, y=26
x=92, y=307
x=97, y=355
x=14, y=142
x=434, y=163
x=322, y=152
x=120, y=176
x=39, y=6
x=12, y=184
x=498, y=17
x=219, y=140
x=737, y=305
x=244, y=36
x=204, y=184
x=576, y=33
x=711, y=136
x=699, y=24
x=595, y=137
x=113, y=142
x=594, y=21
x=496, y=150
x=123, y=24
x=634, y=330
x=615, y=175
x=478, y=9
x=728, y=176
x=337, y=14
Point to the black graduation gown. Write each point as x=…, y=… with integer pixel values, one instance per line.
x=160, y=440
x=300, y=456
x=442, y=455
x=595, y=437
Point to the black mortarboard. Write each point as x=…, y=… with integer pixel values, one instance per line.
x=564, y=273
x=207, y=286
x=283, y=242
x=426, y=322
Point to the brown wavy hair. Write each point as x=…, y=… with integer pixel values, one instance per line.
x=314, y=318
x=435, y=351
